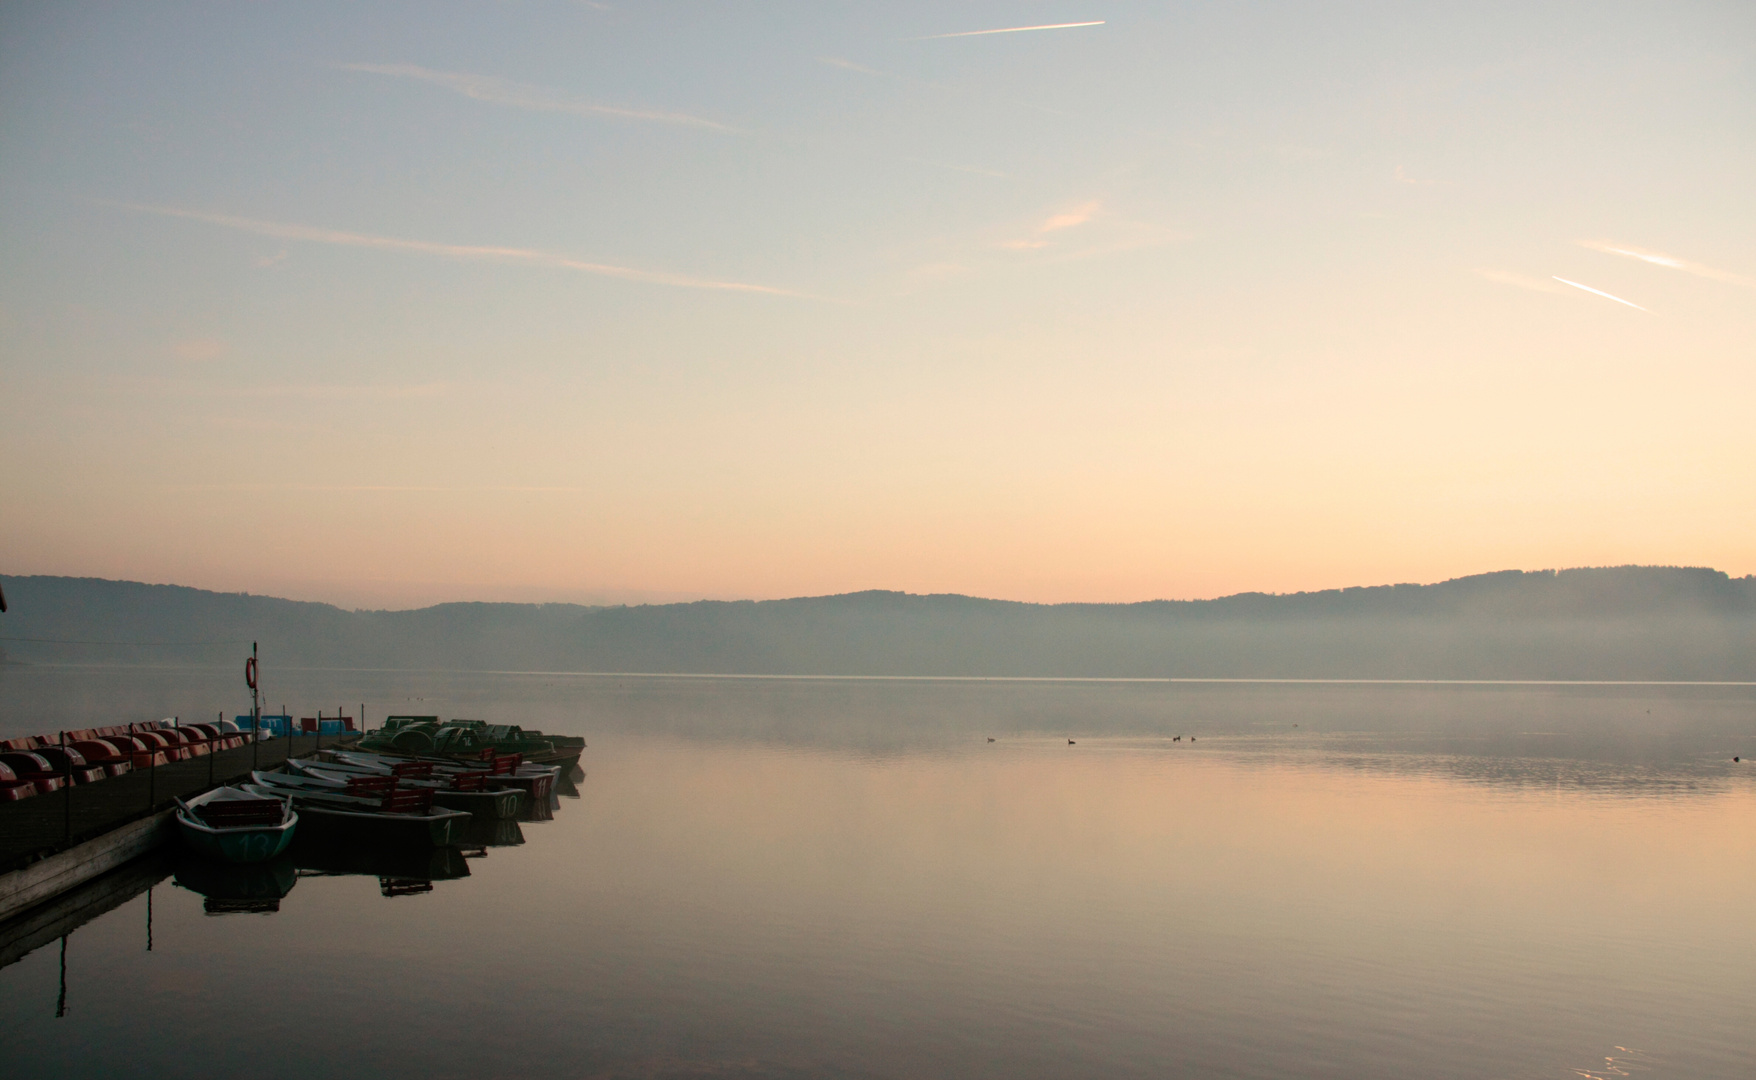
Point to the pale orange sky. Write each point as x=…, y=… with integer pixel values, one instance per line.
x=618, y=305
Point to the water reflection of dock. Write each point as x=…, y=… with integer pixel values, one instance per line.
x=47, y=923
x=147, y=859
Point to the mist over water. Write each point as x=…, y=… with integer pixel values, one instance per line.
x=785, y=878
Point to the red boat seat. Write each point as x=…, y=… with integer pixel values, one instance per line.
x=371, y=785
x=234, y=813
x=408, y=801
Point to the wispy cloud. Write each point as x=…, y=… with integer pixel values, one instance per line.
x=431, y=488
x=524, y=96
x=849, y=65
x=1079, y=215
x=1600, y=292
x=1082, y=232
x=877, y=73
x=1522, y=281
x=198, y=350
x=1009, y=30
x=339, y=391
x=525, y=256
x=1659, y=258
x=1066, y=219
x=232, y=391
x=971, y=169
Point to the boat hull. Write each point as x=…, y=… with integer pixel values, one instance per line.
x=437, y=830
x=490, y=805
x=245, y=845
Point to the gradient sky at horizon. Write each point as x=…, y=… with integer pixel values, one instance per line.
x=396, y=303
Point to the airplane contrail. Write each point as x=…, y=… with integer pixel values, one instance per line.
x=1659, y=258
x=528, y=256
x=1600, y=292
x=1010, y=30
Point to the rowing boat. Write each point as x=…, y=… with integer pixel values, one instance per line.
x=536, y=781
x=501, y=803
x=237, y=825
x=369, y=818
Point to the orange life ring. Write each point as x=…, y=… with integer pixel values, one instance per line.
x=250, y=673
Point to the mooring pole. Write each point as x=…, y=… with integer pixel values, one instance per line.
x=67, y=801
x=255, y=714
x=149, y=918
x=210, y=749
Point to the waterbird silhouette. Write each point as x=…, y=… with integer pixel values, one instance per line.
x=990, y=738
x=1069, y=742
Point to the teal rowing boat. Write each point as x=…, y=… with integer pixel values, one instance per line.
x=236, y=826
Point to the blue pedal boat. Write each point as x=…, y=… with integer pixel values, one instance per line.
x=236, y=826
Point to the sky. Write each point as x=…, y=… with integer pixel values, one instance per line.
x=393, y=304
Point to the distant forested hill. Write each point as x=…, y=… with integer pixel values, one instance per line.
x=1608, y=623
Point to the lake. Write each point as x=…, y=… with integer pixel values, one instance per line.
x=846, y=878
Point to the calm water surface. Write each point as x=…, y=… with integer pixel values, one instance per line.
x=779, y=878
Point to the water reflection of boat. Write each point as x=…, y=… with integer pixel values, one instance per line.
x=567, y=784
x=485, y=833
x=230, y=889
x=319, y=858
x=542, y=809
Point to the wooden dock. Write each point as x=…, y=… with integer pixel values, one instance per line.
x=55, y=842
